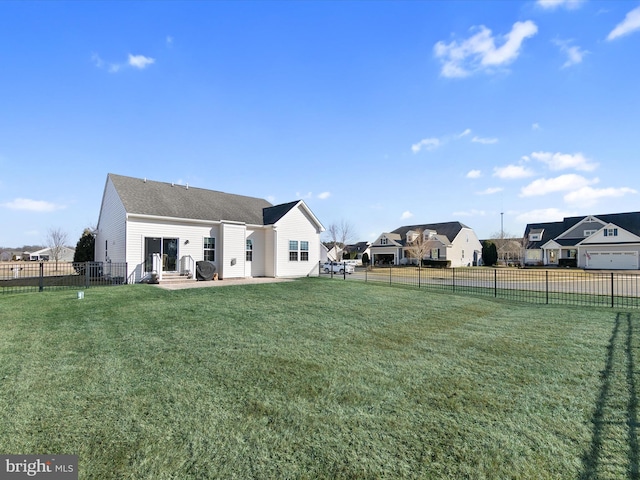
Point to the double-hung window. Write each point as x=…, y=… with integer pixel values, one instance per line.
x=210, y=249
x=304, y=251
x=249, y=250
x=610, y=232
x=293, y=250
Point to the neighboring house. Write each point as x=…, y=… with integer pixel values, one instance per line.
x=451, y=242
x=356, y=250
x=64, y=255
x=610, y=242
x=158, y=227
x=334, y=252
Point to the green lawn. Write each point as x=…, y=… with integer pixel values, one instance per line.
x=318, y=379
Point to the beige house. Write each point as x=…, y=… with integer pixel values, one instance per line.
x=451, y=243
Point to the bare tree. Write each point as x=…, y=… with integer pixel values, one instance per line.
x=56, y=240
x=340, y=234
x=418, y=247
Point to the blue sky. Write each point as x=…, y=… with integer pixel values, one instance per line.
x=381, y=114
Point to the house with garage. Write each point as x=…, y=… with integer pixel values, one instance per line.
x=63, y=254
x=165, y=228
x=605, y=242
x=448, y=244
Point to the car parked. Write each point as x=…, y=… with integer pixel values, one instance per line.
x=338, y=267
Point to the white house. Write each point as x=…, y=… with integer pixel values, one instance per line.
x=609, y=242
x=65, y=254
x=166, y=228
x=449, y=243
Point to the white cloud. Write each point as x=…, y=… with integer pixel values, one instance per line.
x=511, y=172
x=465, y=133
x=140, y=61
x=405, y=215
x=303, y=196
x=479, y=52
x=31, y=205
x=426, y=144
x=136, y=61
x=588, y=196
x=553, y=4
x=535, y=126
x=544, y=215
x=474, y=174
x=630, y=24
x=271, y=199
x=563, y=161
x=563, y=183
x=574, y=54
x=169, y=40
x=324, y=195
x=490, y=191
x=484, y=141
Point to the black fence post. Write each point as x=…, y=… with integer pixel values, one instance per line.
x=453, y=278
x=344, y=270
x=41, y=279
x=612, y=305
x=546, y=275
x=495, y=283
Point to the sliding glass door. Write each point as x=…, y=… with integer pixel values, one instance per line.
x=167, y=248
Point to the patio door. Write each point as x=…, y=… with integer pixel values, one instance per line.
x=167, y=248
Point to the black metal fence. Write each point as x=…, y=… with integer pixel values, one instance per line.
x=559, y=286
x=19, y=277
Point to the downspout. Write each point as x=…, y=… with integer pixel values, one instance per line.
x=275, y=251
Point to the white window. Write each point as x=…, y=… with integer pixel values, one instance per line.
x=610, y=232
x=293, y=250
x=435, y=253
x=535, y=237
x=588, y=233
x=383, y=241
x=302, y=254
x=249, y=251
x=210, y=249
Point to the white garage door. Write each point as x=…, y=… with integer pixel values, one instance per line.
x=613, y=260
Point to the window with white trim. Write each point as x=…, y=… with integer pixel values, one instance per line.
x=249, y=251
x=383, y=241
x=304, y=251
x=610, y=232
x=293, y=250
x=588, y=233
x=210, y=249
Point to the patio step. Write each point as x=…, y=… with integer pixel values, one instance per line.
x=176, y=278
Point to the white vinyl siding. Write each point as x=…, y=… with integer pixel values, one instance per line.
x=296, y=225
x=232, y=255
x=111, y=227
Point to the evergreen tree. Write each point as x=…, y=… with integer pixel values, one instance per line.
x=489, y=253
x=85, y=248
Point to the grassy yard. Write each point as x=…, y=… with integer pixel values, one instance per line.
x=318, y=379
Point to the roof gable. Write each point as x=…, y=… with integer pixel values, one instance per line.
x=449, y=230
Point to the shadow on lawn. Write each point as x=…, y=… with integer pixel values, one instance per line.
x=616, y=412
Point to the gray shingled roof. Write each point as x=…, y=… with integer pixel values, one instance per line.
x=630, y=221
x=146, y=197
x=447, y=229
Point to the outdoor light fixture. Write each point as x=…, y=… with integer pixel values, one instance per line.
x=186, y=242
